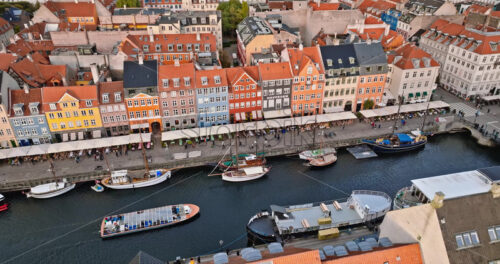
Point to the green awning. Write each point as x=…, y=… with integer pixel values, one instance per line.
x=418, y=94
x=425, y=93
x=410, y=95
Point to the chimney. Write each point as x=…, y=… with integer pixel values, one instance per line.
x=31, y=23
x=30, y=36
x=198, y=37
x=141, y=59
x=65, y=82
x=151, y=37
x=176, y=63
x=124, y=6
x=26, y=88
x=95, y=72
x=93, y=1
x=301, y=47
x=495, y=190
x=28, y=56
x=437, y=202
x=25, y=25
x=109, y=79
x=76, y=1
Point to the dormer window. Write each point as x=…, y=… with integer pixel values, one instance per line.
x=158, y=47
x=165, y=83
x=188, y=47
x=207, y=47
x=187, y=81
x=176, y=82
x=204, y=81
x=145, y=48
x=352, y=60
x=105, y=98
x=18, y=110
x=33, y=108
x=88, y=103
x=309, y=70
x=179, y=47
x=118, y=97
x=170, y=47
x=340, y=61
x=217, y=79
x=53, y=107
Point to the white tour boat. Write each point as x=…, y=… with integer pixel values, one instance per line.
x=50, y=190
x=124, y=179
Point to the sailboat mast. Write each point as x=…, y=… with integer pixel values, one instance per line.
x=400, y=99
x=236, y=147
x=146, y=165
x=314, y=129
x=105, y=158
x=425, y=115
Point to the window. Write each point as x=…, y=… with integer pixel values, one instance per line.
x=494, y=233
x=52, y=106
x=105, y=98
x=118, y=97
x=465, y=240
x=88, y=102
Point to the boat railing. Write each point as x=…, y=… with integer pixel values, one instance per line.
x=258, y=216
x=401, y=201
x=315, y=204
x=377, y=193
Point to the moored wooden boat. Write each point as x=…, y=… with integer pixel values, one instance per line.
x=323, y=160
x=243, y=161
x=3, y=204
x=50, y=190
x=124, y=179
x=397, y=143
x=245, y=174
x=148, y=219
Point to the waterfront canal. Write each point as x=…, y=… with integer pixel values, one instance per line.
x=65, y=229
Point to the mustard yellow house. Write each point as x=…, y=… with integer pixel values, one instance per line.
x=254, y=35
x=72, y=112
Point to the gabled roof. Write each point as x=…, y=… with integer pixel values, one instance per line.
x=4, y=26
x=410, y=56
x=303, y=57
x=137, y=75
x=375, y=7
x=54, y=94
x=111, y=88
x=72, y=9
x=22, y=47
x=181, y=71
x=234, y=74
x=134, y=44
x=210, y=75
x=37, y=75
x=417, y=224
x=275, y=71
x=36, y=30
x=475, y=8
x=339, y=57
x=34, y=95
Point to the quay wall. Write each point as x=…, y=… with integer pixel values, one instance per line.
x=19, y=185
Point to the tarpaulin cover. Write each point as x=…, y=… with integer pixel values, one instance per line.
x=404, y=138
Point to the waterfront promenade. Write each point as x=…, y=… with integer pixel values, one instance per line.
x=28, y=174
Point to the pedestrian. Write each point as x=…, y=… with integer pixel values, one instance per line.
x=116, y=153
x=379, y=126
x=222, y=144
x=185, y=146
x=265, y=143
x=488, y=110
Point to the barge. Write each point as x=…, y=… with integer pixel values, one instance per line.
x=154, y=218
x=362, y=207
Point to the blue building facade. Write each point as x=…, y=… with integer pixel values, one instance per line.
x=26, y=118
x=391, y=18
x=212, y=97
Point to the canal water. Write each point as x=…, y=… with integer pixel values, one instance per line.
x=65, y=229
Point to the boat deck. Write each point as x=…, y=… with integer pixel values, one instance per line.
x=146, y=219
x=362, y=152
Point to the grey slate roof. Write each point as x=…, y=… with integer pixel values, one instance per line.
x=470, y=213
x=423, y=6
x=188, y=18
x=136, y=75
x=135, y=11
x=370, y=54
x=342, y=52
x=250, y=27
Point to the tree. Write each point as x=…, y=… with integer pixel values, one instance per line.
x=232, y=13
x=368, y=104
x=128, y=3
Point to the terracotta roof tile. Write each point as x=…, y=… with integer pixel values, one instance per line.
x=324, y=6
x=37, y=75
x=282, y=5
x=407, y=254
x=309, y=257
x=34, y=95
x=475, y=8
x=275, y=71
x=180, y=72
x=72, y=9
x=135, y=43
x=4, y=26
x=6, y=59
x=111, y=88
x=210, y=74
x=406, y=54
x=22, y=47
x=375, y=7
x=304, y=56
x=233, y=74
x=82, y=93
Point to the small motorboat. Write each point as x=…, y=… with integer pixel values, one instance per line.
x=50, y=190
x=245, y=174
x=3, y=204
x=97, y=187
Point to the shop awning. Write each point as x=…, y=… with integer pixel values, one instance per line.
x=425, y=93
x=410, y=95
x=418, y=94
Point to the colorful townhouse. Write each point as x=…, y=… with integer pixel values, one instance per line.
x=308, y=79
x=71, y=15
x=168, y=48
x=113, y=110
x=341, y=72
x=140, y=83
x=254, y=35
x=276, y=80
x=372, y=74
x=212, y=97
x=72, y=112
x=27, y=118
x=177, y=95
x=245, y=93
x=7, y=83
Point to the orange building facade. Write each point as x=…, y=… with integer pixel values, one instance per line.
x=245, y=94
x=308, y=80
